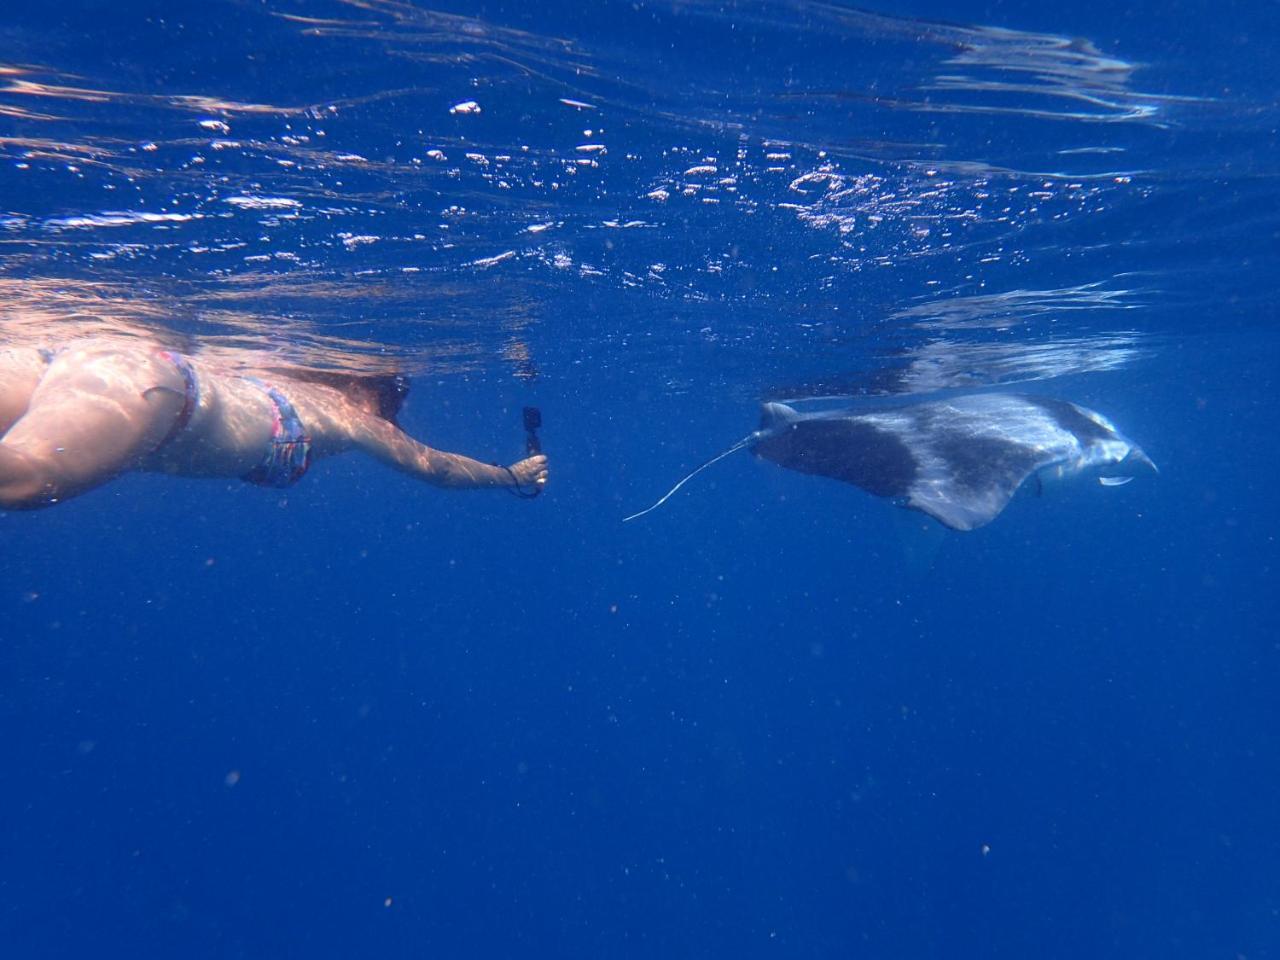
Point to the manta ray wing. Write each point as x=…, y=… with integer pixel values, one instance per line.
x=969, y=472
x=872, y=456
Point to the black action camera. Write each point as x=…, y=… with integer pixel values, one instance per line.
x=532, y=423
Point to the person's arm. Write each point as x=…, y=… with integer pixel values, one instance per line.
x=388, y=443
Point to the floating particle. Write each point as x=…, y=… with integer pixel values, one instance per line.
x=467, y=106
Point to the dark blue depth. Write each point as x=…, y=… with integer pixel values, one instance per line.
x=778, y=717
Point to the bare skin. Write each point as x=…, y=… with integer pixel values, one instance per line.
x=99, y=409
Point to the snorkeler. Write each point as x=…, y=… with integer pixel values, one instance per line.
x=73, y=418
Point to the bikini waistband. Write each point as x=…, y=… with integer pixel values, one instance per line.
x=190, y=395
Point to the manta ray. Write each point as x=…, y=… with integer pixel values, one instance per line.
x=959, y=460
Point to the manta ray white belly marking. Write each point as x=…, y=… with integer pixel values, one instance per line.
x=959, y=460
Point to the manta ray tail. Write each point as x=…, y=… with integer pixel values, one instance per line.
x=716, y=459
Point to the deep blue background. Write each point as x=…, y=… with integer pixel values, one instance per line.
x=778, y=717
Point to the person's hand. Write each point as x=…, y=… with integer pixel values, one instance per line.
x=531, y=473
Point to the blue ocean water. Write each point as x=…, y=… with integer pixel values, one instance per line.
x=777, y=717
